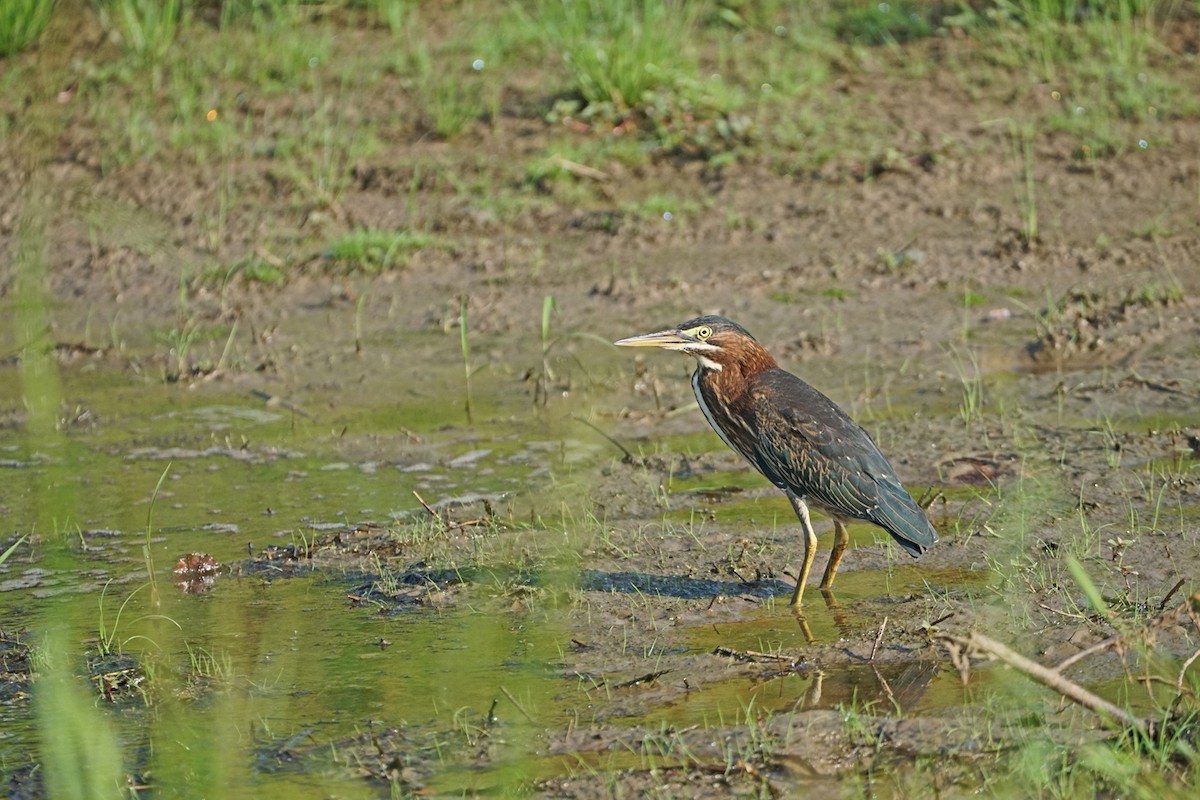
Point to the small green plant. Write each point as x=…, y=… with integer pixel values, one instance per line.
x=207, y=664
x=1026, y=187
x=107, y=643
x=541, y=391
x=22, y=23
x=450, y=95
x=465, y=345
x=11, y=549
x=1158, y=294
x=972, y=299
x=386, y=583
x=374, y=251
x=257, y=270
x=179, y=342
x=970, y=407
x=149, y=559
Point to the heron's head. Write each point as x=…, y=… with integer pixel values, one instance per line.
x=715, y=342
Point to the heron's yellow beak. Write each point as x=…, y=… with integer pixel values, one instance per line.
x=671, y=340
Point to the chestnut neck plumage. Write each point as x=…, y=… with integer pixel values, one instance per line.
x=723, y=394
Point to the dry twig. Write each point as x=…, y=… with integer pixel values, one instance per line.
x=878, y=639
x=961, y=646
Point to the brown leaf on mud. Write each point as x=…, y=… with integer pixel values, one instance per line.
x=976, y=470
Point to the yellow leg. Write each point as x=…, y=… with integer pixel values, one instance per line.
x=810, y=548
x=841, y=538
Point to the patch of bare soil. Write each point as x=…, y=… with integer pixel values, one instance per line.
x=854, y=264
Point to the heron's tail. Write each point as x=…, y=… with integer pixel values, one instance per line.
x=899, y=515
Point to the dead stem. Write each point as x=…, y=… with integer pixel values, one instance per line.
x=878, y=639
x=1044, y=675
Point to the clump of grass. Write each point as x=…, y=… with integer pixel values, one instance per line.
x=450, y=92
x=884, y=23
x=256, y=270
x=966, y=366
x=1156, y=294
x=267, y=270
x=22, y=23
x=972, y=299
x=147, y=29
x=179, y=343
x=459, y=80
x=1026, y=188
x=617, y=52
x=453, y=100
x=209, y=665
x=374, y=251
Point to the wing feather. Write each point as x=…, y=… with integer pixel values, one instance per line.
x=810, y=447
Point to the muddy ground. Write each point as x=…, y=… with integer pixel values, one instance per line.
x=871, y=279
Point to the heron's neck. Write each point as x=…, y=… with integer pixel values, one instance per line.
x=731, y=377
x=725, y=395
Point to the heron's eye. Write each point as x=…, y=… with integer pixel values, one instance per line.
x=702, y=333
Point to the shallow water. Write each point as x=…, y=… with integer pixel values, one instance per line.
x=250, y=687
x=258, y=660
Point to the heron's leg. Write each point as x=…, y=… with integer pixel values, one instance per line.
x=810, y=548
x=841, y=538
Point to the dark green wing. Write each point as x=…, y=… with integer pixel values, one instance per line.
x=810, y=447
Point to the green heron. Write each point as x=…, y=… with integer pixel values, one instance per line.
x=795, y=436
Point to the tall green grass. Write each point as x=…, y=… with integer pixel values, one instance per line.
x=80, y=754
x=695, y=78
x=146, y=29
x=22, y=23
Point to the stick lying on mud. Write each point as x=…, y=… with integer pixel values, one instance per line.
x=962, y=647
x=1044, y=675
